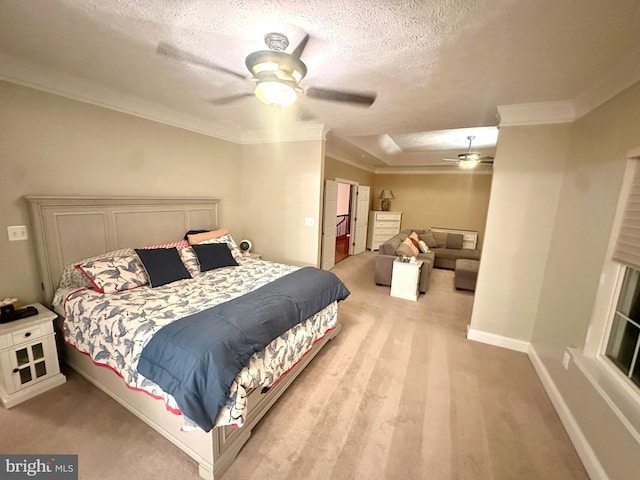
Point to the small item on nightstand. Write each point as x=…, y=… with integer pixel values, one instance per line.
x=10, y=314
x=7, y=309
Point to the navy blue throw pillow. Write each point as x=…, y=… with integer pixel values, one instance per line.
x=163, y=265
x=214, y=255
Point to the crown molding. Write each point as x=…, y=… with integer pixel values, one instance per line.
x=435, y=170
x=539, y=113
x=296, y=133
x=616, y=79
x=76, y=88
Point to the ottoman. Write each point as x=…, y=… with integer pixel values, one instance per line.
x=466, y=274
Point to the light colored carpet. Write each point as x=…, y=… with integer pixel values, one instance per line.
x=399, y=394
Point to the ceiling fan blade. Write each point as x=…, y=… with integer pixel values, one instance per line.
x=364, y=99
x=230, y=98
x=297, y=53
x=169, y=50
x=304, y=115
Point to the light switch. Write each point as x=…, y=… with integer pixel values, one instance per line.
x=18, y=232
x=309, y=222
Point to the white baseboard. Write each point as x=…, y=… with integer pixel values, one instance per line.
x=498, y=340
x=585, y=452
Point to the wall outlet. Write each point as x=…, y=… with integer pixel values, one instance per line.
x=18, y=232
x=566, y=359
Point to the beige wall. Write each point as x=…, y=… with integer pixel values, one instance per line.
x=336, y=169
x=581, y=231
x=281, y=184
x=553, y=200
x=56, y=146
x=527, y=173
x=438, y=200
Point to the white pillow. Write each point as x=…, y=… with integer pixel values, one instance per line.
x=424, y=248
x=115, y=274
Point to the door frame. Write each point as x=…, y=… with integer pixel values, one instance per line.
x=352, y=205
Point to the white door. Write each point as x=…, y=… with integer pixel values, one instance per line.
x=329, y=213
x=361, y=219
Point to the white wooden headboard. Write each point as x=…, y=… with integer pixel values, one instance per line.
x=67, y=229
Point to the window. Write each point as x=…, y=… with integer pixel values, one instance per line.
x=624, y=336
x=610, y=356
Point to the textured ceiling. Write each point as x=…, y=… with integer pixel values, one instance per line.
x=435, y=65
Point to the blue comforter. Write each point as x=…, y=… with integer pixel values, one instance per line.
x=196, y=358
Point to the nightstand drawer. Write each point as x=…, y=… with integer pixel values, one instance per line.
x=27, y=334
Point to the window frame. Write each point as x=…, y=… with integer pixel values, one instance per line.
x=618, y=391
x=622, y=378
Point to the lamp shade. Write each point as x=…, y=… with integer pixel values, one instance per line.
x=386, y=195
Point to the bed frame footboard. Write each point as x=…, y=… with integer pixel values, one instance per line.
x=214, y=451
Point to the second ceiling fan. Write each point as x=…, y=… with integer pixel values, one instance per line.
x=276, y=73
x=470, y=159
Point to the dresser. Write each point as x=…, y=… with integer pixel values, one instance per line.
x=382, y=226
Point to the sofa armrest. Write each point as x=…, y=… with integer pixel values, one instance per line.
x=384, y=269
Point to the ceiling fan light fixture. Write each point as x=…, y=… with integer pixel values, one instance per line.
x=264, y=67
x=468, y=164
x=276, y=93
x=469, y=157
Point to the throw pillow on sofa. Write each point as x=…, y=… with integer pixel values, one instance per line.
x=441, y=239
x=424, y=248
x=414, y=239
x=407, y=249
x=429, y=239
x=454, y=240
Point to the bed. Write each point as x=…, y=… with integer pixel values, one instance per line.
x=68, y=230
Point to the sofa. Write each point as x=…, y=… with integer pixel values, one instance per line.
x=447, y=247
x=444, y=250
x=387, y=254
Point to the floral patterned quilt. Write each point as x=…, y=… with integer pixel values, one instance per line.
x=114, y=328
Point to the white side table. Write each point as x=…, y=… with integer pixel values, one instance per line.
x=254, y=256
x=28, y=357
x=405, y=279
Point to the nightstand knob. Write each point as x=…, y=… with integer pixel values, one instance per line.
x=28, y=334
x=16, y=370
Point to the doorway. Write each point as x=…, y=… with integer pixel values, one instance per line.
x=343, y=221
x=353, y=229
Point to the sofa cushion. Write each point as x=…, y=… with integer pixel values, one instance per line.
x=454, y=240
x=441, y=238
x=455, y=253
x=429, y=239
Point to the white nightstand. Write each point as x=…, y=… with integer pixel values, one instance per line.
x=28, y=357
x=405, y=279
x=254, y=256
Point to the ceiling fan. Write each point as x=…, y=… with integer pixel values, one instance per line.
x=470, y=159
x=276, y=73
